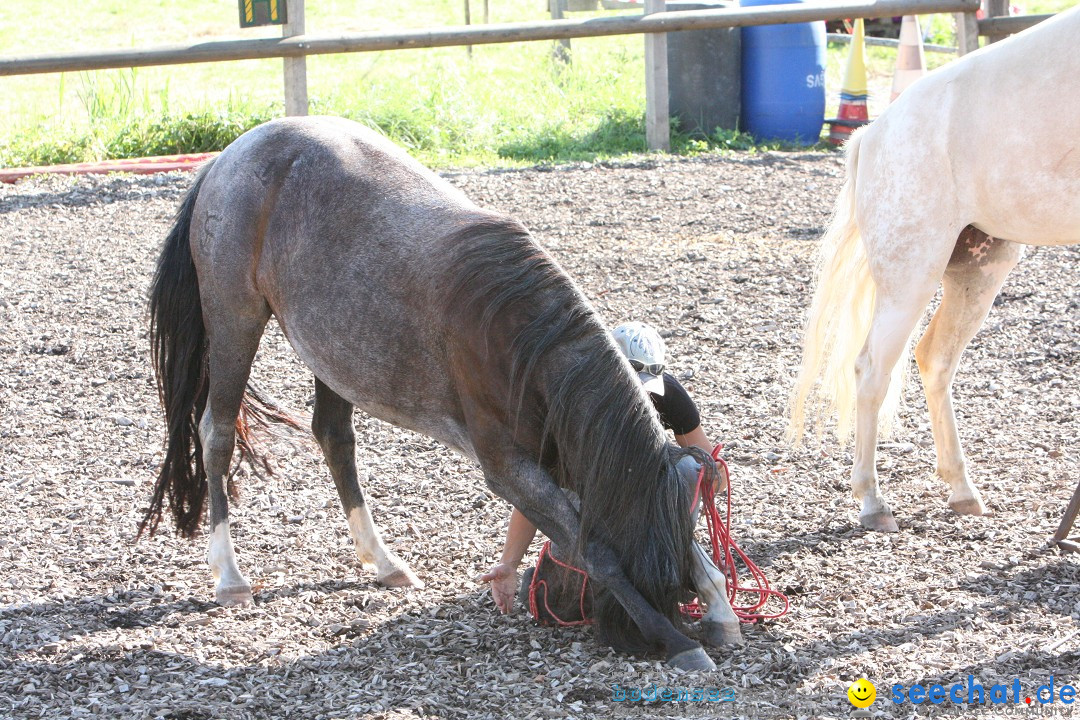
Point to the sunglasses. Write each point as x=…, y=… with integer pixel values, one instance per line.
x=651, y=368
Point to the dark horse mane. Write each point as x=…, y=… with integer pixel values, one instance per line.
x=600, y=435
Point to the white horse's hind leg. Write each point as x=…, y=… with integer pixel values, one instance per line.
x=720, y=624
x=332, y=424
x=976, y=271
x=899, y=304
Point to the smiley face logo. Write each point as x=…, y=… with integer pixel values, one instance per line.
x=862, y=693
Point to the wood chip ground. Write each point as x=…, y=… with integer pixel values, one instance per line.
x=716, y=251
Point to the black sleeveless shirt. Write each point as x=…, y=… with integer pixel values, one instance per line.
x=678, y=412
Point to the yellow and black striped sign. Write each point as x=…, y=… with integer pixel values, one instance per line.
x=262, y=12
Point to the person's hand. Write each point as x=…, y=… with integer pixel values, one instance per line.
x=504, y=585
x=720, y=479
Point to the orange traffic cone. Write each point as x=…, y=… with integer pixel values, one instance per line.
x=852, y=113
x=910, y=58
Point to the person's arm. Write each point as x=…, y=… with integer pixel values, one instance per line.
x=697, y=438
x=518, y=537
x=678, y=411
x=504, y=576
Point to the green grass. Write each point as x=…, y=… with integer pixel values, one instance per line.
x=502, y=105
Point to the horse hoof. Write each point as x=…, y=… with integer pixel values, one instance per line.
x=401, y=578
x=234, y=596
x=970, y=506
x=693, y=659
x=879, y=522
x=718, y=634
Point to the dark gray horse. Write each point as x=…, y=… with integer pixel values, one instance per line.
x=411, y=303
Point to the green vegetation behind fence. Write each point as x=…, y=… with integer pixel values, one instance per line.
x=498, y=105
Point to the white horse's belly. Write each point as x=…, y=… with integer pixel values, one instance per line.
x=1027, y=194
x=1032, y=237
x=1060, y=226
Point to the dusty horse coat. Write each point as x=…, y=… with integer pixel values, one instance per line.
x=411, y=303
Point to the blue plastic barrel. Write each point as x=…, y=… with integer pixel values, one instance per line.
x=783, y=79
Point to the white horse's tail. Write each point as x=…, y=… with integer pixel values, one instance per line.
x=837, y=323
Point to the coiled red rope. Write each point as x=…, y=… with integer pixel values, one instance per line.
x=724, y=552
x=536, y=584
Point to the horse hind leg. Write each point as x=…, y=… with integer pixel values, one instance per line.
x=898, y=306
x=975, y=274
x=332, y=425
x=233, y=342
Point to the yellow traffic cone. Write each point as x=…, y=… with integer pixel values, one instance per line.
x=910, y=58
x=852, y=113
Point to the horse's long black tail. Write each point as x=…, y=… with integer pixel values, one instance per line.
x=178, y=352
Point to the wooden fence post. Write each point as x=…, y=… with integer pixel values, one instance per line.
x=657, y=120
x=562, y=46
x=967, y=33
x=468, y=21
x=996, y=8
x=296, y=98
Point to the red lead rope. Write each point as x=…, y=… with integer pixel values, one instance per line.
x=724, y=550
x=536, y=584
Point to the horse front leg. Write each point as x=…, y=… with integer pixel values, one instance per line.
x=719, y=625
x=526, y=486
x=975, y=274
x=681, y=652
x=331, y=422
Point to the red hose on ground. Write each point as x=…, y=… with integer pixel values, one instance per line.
x=141, y=166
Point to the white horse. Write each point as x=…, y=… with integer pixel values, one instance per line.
x=991, y=141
